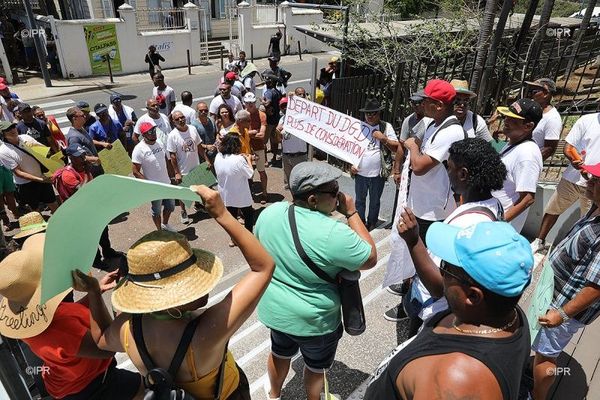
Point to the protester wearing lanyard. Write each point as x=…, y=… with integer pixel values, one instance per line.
x=522, y=158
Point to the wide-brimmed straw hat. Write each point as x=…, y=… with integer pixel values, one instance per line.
x=21, y=314
x=165, y=272
x=30, y=224
x=462, y=87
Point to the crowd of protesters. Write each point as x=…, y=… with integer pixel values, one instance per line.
x=466, y=205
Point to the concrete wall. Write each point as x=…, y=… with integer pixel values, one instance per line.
x=536, y=212
x=259, y=35
x=133, y=45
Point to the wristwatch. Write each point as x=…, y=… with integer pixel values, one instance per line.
x=563, y=314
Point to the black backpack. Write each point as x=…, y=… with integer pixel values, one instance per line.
x=158, y=381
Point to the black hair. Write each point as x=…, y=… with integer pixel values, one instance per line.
x=230, y=144
x=71, y=113
x=186, y=96
x=226, y=106
x=487, y=172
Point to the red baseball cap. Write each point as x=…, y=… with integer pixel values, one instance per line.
x=592, y=169
x=3, y=86
x=145, y=127
x=440, y=90
x=231, y=76
x=284, y=100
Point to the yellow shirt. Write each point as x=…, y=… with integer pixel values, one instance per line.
x=244, y=138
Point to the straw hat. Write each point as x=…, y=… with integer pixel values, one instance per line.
x=30, y=224
x=462, y=87
x=21, y=314
x=164, y=272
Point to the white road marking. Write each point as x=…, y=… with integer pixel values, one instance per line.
x=56, y=103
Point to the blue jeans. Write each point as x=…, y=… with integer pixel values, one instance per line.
x=374, y=187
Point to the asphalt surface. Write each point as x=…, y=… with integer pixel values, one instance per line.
x=358, y=356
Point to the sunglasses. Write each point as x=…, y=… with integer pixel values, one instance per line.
x=371, y=113
x=203, y=111
x=537, y=90
x=589, y=177
x=445, y=271
x=459, y=102
x=179, y=119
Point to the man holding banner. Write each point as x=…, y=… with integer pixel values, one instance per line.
x=376, y=163
x=576, y=265
x=33, y=188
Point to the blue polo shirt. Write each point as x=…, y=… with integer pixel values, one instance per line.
x=105, y=133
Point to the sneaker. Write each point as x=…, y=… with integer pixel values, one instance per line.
x=267, y=389
x=167, y=227
x=185, y=219
x=395, y=314
x=537, y=245
x=396, y=289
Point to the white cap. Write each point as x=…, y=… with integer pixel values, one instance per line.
x=249, y=98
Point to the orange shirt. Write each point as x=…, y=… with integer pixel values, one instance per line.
x=58, y=345
x=257, y=120
x=244, y=138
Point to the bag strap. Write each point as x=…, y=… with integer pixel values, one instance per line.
x=481, y=210
x=138, y=337
x=183, y=345
x=474, y=121
x=448, y=122
x=300, y=250
x=221, y=376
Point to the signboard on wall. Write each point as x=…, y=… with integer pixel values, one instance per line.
x=101, y=41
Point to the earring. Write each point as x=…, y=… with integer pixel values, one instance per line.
x=173, y=316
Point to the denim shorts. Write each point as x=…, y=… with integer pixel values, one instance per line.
x=550, y=342
x=169, y=205
x=318, y=351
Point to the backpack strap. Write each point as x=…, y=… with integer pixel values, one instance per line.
x=221, y=376
x=138, y=337
x=474, y=122
x=183, y=345
x=448, y=122
x=300, y=250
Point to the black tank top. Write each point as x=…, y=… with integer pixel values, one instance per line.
x=505, y=357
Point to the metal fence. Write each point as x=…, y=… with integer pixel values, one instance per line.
x=160, y=19
x=571, y=63
x=266, y=15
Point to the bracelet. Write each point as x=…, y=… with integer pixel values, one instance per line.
x=351, y=214
x=563, y=314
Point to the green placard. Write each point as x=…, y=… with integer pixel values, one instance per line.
x=542, y=298
x=73, y=232
x=199, y=176
x=101, y=40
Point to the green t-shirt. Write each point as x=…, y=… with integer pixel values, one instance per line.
x=297, y=301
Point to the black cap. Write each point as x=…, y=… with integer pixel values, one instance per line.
x=23, y=106
x=82, y=105
x=526, y=109
x=100, y=108
x=114, y=97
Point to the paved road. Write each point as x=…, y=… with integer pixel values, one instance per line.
x=357, y=356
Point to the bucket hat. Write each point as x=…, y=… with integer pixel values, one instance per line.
x=371, y=105
x=165, y=272
x=23, y=316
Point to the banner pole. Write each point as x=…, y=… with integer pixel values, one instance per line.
x=313, y=90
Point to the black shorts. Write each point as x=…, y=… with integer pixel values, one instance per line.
x=34, y=193
x=318, y=351
x=114, y=384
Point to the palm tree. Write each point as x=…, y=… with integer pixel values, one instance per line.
x=483, y=41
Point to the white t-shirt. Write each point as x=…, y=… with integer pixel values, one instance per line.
x=463, y=221
x=524, y=165
x=549, y=128
x=12, y=158
x=430, y=196
x=185, y=146
x=585, y=137
x=188, y=112
x=482, y=131
x=152, y=159
x=169, y=95
x=233, y=102
x=291, y=144
x=249, y=84
x=370, y=163
x=233, y=173
x=163, y=127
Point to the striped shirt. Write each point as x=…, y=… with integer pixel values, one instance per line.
x=576, y=262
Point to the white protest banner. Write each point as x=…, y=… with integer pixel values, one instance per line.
x=335, y=133
x=400, y=265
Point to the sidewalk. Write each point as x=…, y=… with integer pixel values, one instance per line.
x=36, y=89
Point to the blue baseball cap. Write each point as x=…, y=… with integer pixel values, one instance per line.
x=75, y=150
x=492, y=253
